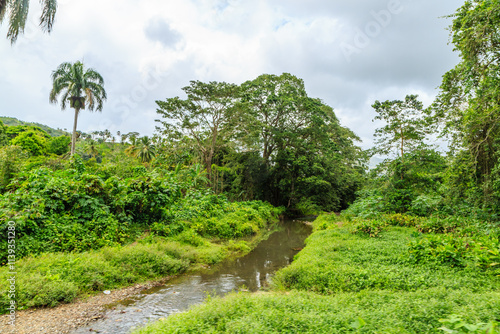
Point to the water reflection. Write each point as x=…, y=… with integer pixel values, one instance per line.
x=252, y=271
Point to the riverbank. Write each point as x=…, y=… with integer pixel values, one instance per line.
x=362, y=276
x=88, y=308
x=50, y=279
x=248, y=273
x=64, y=318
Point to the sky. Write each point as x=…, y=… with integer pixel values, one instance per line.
x=349, y=54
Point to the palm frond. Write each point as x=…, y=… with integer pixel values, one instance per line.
x=75, y=81
x=90, y=98
x=18, y=16
x=64, y=100
x=3, y=9
x=61, y=70
x=49, y=8
x=92, y=75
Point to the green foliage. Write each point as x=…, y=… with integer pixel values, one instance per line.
x=59, y=145
x=373, y=228
x=32, y=142
x=74, y=210
x=16, y=130
x=12, y=122
x=467, y=106
x=144, y=150
x=442, y=249
x=17, y=14
x=405, y=129
x=398, y=219
x=306, y=312
x=344, y=282
x=11, y=158
x=455, y=324
x=410, y=184
x=326, y=221
x=336, y=259
x=452, y=250
x=306, y=207
x=4, y=138
x=426, y=204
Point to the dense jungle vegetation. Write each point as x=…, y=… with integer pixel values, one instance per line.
x=133, y=208
x=418, y=251
x=416, y=248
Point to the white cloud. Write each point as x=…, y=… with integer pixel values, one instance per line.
x=149, y=50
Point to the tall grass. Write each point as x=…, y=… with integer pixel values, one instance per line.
x=349, y=279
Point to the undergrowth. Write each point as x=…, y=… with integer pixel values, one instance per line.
x=363, y=276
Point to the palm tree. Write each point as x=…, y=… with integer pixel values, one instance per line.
x=92, y=148
x=144, y=149
x=17, y=12
x=80, y=87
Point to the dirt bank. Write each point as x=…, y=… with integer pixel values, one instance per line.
x=64, y=318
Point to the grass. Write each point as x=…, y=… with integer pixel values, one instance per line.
x=53, y=278
x=338, y=260
x=307, y=312
x=346, y=281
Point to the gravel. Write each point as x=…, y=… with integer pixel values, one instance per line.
x=65, y=318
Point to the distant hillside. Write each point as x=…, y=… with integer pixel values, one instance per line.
x=11, y=121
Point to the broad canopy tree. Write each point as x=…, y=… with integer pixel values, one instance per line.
x=204, y=116
x=405, y=127
x=273, y=105
x=80, y=87
x=272, y=140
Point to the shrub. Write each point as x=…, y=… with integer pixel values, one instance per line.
x=426, y=204
x=371, y=227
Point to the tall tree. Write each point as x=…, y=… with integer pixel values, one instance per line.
x=405, y=127
x=273, y=103
x=17, y=13
x=468, y=105
x=316, y=160
x=204, y=116
x=81, y=87
x=469, y=102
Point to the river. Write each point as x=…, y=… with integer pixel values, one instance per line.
x=250, y=272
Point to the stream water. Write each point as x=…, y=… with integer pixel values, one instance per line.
x=250, y=272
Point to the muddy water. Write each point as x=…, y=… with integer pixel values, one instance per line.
x=251, y=272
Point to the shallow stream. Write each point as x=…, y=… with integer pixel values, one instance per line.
x=250, y=272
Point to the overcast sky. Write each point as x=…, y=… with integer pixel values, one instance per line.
x=349, y=53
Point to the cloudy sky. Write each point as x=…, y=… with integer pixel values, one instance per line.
x=349, y=53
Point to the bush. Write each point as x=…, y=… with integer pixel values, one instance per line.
x=370, y=227
x=74, y=210
x=480, y=252
x=426, y=204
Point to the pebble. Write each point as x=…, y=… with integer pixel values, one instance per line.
x=64, y=318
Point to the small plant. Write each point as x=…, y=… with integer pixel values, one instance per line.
x=399, y=219
x=441, y=249
x=455, y=324
x=371, y=227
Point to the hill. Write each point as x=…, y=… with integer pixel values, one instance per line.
x=11, y=121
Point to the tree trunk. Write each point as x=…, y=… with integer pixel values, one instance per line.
x=402, y=151
x=73, y=137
